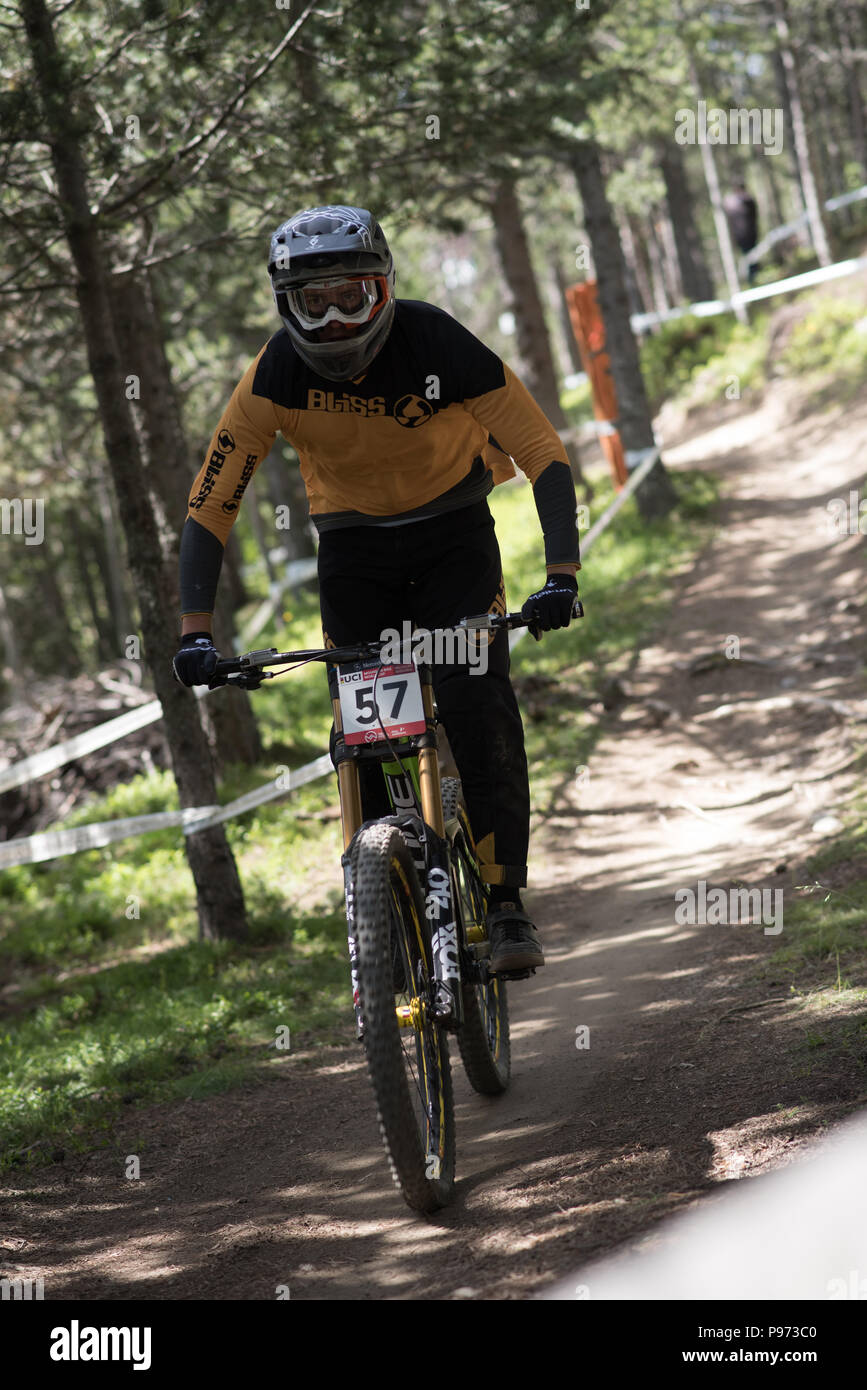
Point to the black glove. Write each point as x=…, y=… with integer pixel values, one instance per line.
x=196, y=659
x=551, y=606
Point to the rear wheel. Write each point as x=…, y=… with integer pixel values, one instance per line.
x=407, y=1054
x=483, y=1038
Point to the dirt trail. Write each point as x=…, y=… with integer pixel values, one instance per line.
x=287, y=1185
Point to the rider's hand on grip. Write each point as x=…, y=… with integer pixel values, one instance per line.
x=552, y=606
x=196, y=659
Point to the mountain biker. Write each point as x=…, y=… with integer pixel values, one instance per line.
x=743, y=219
x=403, y=421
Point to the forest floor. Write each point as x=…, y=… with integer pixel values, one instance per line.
x=724, y=769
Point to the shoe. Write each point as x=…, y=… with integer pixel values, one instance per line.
x=514, y=941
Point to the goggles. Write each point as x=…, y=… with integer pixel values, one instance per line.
x=354, y=299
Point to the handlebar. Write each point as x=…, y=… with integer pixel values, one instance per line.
x=249, y=670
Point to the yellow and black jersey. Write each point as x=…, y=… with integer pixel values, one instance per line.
x=429, y=427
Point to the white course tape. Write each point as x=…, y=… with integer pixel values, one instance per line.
x=53, y=844
x=269, y=791
x=780, y=233
x=38, y=764
x=708, y=307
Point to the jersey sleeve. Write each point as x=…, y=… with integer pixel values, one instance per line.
x=243, y=437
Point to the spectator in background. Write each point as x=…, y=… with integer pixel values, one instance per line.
x=743, y=219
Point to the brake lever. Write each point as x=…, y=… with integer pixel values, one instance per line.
x=242, y=680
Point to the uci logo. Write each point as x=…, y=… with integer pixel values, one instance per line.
x=412, y=411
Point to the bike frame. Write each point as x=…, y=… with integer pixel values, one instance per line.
x=415, y=793
x=417, y=803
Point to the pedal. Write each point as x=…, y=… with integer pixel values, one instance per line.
x=513, y=974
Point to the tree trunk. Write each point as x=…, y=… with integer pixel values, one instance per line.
x=88, y=542
x=10, y=665
x=668, y=248
x=812, y=200
x=796, y=192
x=720, y=221
x=845, y=31
x=633, y=238
x=829, y=171
x=630, y=260
x=220, y=898
x=559, y=341
x=114, y=558
x=58, y=647
x=660, y=295
x=655, y=495
x=232, y=724
x=533, y=341
x=562, y=284
x=694, y=273
x=764, y=178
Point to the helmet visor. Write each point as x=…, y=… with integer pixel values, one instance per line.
x=351, y=299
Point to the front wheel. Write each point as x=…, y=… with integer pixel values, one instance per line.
x=407, y=1054
x=483, y=1038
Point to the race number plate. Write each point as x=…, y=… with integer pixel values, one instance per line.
x=398, y=700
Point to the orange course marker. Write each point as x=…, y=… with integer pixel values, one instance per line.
x=589, y=330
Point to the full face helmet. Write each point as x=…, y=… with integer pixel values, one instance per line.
x=333, y=280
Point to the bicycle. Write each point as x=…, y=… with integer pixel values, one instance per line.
x=415, y=904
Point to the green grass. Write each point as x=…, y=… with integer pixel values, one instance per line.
x=190, y=1021
x=110, y=998
x=828, y=349
x=827, y=922
x=671, y=356
x=707, y=360
x=822, y=950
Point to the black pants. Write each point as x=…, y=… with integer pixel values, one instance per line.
x=434, y=573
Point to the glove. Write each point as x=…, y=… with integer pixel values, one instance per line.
x=552, y=606
x=196, y=659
